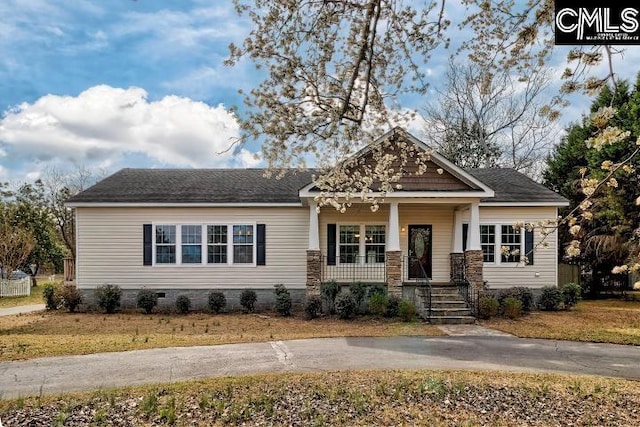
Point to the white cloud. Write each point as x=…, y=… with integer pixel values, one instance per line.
x=112, y=126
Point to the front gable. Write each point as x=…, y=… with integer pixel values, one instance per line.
x=425, y=172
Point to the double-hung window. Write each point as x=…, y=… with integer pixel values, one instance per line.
x=511, y=239
x=165, y=244
x=488, y=242
x=243, y=244
x=191, y=244
x=361, y=244
x=217, y=244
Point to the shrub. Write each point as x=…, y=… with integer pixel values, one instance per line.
x=183, y=304
x=146, y=300
x=69, y=297
x=313, y=307
x=283, y=300
x=329, y=291
x=407, y=311
x=488, y=306
x=248, y=299
x=358, y=290
x=345, y=305
x=523, y=294
x=108, y=297
x=217, y=301
x=570, y=295
x=550, y=298
x=377, y=289
x=512, y=307
x=378, y=304
x=392, y=306
x=49, y=295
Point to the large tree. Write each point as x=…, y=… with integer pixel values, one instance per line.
x=16, y=243
x=487, y=118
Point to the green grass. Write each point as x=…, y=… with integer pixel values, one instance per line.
x=34, y=298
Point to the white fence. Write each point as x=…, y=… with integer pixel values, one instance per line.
x=15, y=288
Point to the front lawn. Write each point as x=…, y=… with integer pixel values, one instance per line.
x=57, y=333
x=608, y=321
x=428, y=398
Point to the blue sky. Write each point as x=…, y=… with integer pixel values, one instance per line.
x=124, y=83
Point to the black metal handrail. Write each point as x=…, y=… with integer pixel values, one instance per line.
x=360, y=268
x=422, y=281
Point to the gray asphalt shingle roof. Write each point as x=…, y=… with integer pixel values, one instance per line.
x=250, y=186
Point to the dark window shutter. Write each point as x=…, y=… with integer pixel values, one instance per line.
x=465, y=233
x=261, y=248
x=147, y=248
x=331, y=244
x=528, y=245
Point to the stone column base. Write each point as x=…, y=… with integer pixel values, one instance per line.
x=314, y=272
x=457, y=268
x=473, y=267
x=394, y=273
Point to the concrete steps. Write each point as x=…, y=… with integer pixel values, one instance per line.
x=448, y=307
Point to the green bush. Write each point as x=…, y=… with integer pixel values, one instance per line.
x=378, y=304
x=146, y=300
x=69, y=297
x=512, y=307
x=570, y=295
x=283, y=300
x=345, y=305
x=183, y=304
x=313, y=307
x=392, y=306
x=49, y=295
x=550, y=298
x=329, y=291
x=248, y=299
x=407, y=311
x=376, y=289
x=488, y=306
x=108, y=297
x=217, y=301
x=358, y=290
x=523, y=294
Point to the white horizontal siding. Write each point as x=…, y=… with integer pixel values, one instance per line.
x=110, y=248
x=543, y=272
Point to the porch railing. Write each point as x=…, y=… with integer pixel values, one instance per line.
x=358, y=269
x=412, y=269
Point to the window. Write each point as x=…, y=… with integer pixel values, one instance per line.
x=374, y=243
x=349, y=244
x=191, y=244
x=165, y=244
x=243, y=244
x=510, y=240
x=488, y=242
x=217, y=244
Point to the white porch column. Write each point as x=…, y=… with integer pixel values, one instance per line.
x=473, y=243
x=393, y=242
x=457, y=232
x=314, y=235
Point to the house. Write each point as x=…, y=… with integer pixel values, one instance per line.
x=192, y=231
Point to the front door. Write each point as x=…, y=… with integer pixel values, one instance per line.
x=419, y=251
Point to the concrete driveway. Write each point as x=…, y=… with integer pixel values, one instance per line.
x=107, y=370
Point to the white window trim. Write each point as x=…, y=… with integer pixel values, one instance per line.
x=362, y=245
x=204, y=244
x=498, y=245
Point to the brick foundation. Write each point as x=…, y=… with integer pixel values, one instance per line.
x=394, y=273
x=314, y=272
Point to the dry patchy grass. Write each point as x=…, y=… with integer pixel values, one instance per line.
x=55, y=334
x=608, y=321
x=34, y=298
x=429, y=398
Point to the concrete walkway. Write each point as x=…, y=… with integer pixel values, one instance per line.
x=11, y=311
x=107, y=370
